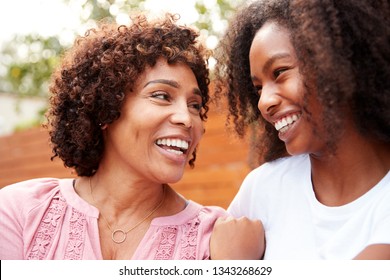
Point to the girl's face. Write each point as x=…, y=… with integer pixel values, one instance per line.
x=275, y=74
x=159, y=127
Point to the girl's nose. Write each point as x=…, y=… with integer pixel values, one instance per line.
x=269, y=99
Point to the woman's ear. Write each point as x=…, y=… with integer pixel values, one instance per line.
x=103, y=126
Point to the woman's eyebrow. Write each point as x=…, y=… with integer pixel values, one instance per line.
x=163, y=81
x=172, y=84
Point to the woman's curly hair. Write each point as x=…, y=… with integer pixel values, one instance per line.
x=89, y=88
x=343, y=48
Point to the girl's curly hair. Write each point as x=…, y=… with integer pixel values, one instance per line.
x=89, y=88
x=343, y=48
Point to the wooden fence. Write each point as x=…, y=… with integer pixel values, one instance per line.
x=220, y=167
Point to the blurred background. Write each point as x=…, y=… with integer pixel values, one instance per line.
x=33, y=36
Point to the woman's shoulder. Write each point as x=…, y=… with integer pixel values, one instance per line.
x=210, y=212
x=192, y=213
x=30, y=192
x=37, y=186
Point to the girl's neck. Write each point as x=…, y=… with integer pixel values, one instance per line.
x=357, y=166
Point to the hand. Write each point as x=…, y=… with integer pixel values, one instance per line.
x=375, y=252
x=237, y=239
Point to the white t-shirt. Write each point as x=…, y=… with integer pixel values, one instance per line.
x=298, y=226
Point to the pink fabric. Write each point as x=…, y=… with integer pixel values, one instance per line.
x=46, y=219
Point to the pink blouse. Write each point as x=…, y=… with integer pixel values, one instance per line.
x=46, y=219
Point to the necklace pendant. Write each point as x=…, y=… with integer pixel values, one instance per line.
x=118, y=236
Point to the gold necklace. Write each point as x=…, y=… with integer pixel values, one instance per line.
x=122, y=233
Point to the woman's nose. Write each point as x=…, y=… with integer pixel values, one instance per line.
x=182, y=116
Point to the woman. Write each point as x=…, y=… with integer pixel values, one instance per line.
x=311, y=81
x=127, y=111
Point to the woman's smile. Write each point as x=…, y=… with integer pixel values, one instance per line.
x=161, y=122
x=174, y=148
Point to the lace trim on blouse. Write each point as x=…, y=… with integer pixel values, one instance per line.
x=188, y=242
x=54, y=216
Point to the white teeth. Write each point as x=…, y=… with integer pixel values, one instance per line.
x=182, y=144
x=175, y=151
x=282, y=125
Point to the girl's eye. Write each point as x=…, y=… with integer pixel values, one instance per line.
x=161, y=95
x=279, y=71
x=258, y=89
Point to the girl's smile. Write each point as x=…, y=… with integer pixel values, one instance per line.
x=275, y=75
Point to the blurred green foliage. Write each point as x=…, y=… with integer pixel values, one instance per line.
x=27, y=62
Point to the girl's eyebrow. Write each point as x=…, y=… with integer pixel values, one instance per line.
x=272, y=59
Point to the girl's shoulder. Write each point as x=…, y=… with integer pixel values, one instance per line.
x=280, y=167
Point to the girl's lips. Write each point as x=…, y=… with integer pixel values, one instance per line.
x=283, y=123
x=287, y=130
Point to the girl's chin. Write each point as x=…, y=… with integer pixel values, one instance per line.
x=295, y=151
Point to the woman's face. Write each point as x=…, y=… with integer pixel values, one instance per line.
x=275, y=74
x=159, y=126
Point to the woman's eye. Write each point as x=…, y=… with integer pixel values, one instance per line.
x=161, y=95
x=196, y=106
